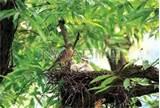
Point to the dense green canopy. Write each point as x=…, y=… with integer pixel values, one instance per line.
x=104, y=25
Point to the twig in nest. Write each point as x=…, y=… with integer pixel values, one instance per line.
x=82, y=96
x=71, y=95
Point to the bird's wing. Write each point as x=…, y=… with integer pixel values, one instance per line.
x=58, y=59
x=61, y=56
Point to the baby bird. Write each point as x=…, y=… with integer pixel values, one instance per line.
x=85, y=66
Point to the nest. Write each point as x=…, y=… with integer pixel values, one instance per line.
x=74, y=88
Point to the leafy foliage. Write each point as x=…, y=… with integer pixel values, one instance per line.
x=106, y=83
x=103, y=25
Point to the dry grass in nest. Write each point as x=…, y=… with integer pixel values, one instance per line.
x=74, y=88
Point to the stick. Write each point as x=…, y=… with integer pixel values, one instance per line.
x=75, y=42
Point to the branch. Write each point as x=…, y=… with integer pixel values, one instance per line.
x=111, y=56
x=151, y=73
x=43, y=4
x=140, y=90
x=7, y=31
x=77, y=38
x=136, y=91
x=27, y=31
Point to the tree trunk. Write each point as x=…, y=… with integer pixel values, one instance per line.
x=7, y=31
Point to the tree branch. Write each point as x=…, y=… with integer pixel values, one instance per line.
x=140, y=90
x=111, y=56
x=133, y=71
x=77, y=38
x=7, y=31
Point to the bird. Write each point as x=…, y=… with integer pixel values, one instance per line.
x=83, y=66
x=65, y=56
x=60, y=25
x=62, y=30
x=74, y=66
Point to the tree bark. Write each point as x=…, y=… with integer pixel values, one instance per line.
x=134, y=71
x=140, y=90
x=7, y=31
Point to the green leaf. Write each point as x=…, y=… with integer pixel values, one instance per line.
x=96, y=88
x=108, y=80
x=5, y=77
x=7, y=13
x=139, y=14
x=99, y=78
x=102, y=90
x=32, y=103
x=142, y=5
x=91, y=22
x=89, y=46
x=126, y=83
x=146, y=64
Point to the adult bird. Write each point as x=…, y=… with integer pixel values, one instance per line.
x=65, y=56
